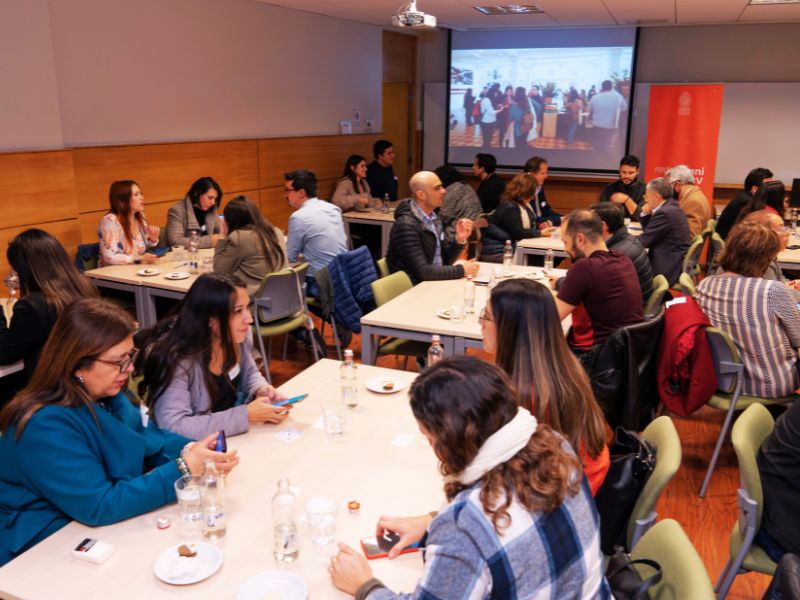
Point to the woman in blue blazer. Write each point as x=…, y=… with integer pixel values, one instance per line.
x=74, y=446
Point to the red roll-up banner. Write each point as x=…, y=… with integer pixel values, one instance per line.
x=683, y=129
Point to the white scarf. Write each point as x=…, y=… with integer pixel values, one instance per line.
x=502, y=445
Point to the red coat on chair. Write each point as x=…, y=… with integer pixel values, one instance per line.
x=685, y=374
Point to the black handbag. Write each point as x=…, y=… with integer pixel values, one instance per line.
x=625, y=581
x=785, y=584
x=632, y=461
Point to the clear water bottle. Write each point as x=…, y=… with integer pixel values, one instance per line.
x=349, y=383
x=284, y=523
x=508, y=254
x=214, y=525
x=12, y=283
x=549, y=257
x=469, y=295
x=385, y=206
x=435, y=352
x=194, y=260
x=793, y=222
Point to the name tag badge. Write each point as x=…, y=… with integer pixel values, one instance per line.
x=145, y=416
x=233, y=372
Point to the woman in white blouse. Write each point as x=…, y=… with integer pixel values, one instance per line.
x=124, y=233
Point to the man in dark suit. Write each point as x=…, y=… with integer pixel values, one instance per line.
x=546, y=217
x=666, y=230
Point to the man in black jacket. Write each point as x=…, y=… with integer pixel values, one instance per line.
x=730, y=214
x=617, y=238
x=666, y=230
x=418, y=244
x=628, y=190
x=492, y=185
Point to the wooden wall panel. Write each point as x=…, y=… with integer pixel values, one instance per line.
x=399, y=57
x=274, y=207
x=37, y=187
x=164, y=171
x=324, y=155
x=67, y=232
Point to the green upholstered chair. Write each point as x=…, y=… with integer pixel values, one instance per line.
x=750, y=430
x=686, y=284
x=656, y=299
x=683, y=574
x=383, y=267
x=280, y=307
x=728, y=397
x=691, y=259
x=662, y=433
x=384, y=290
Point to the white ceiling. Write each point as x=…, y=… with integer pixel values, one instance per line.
x=461, y=14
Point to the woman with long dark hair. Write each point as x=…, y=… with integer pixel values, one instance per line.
x=770, y=196
x=74, y=446
x=520, y=326
x=253, y=247
x=197, y=367
x=124, y=233
x=514, y=497
x=517, y=111
x=352, y=190
x=48, y=283
x=196, y=212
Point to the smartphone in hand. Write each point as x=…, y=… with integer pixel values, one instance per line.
x=378, y=547
x=292, y=400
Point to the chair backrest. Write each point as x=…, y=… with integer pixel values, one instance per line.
x=686, y=283
x=162, y=237
x=87, y=257
x=663, y=434
x=656, y=299
x=390, y=287
x=684, y=575
x=716, y=245
x=749, y=431
x=711, y=226
x=281, y=294
x=383, y=267
x=727, y=361
x=692, y=256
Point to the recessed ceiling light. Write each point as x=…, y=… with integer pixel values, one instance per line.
x=774, y=1
x=510, y=9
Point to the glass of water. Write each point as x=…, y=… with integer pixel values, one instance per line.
x=456, y=313
x=178, y=254
x=189, y=492
x=321, y=514
x=333, y=418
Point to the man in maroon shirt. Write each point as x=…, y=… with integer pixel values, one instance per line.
x=601, y=290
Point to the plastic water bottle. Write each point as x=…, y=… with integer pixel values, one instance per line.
x=508, y=254
x=385, y=206
x=284, y=523
x=435, y=352
x=469, y=295
x=549, y=257
x=347, y=377
x=214, y=525
x=193, y=257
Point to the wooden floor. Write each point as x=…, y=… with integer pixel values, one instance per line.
x=707, y=522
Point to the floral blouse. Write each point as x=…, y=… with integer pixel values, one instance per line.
x=112, y=242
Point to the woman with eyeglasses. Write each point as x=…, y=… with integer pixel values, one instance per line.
x=521, y=328
x=197, y=367
x=73, y=444
x=518, y=521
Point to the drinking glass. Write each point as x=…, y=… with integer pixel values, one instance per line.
x=321, y=514
x=333, y=418
x=456, y=313
x=189, y=492
x=179, y=254
x=208, y=264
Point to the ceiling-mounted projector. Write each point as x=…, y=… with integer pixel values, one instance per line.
x=409, y=16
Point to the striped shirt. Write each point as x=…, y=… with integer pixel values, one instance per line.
x=762, y=319
x=547, y=556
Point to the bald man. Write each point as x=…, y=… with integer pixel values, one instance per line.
x=419, y=244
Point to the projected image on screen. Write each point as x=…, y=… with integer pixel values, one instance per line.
x=568, y=104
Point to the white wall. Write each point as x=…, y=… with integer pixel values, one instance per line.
x=135, y=71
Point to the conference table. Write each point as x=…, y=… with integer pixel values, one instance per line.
x=371, y=216
x=540, y=246
x=386, y=465
x=19, y=365
x=413, y=314
x=145, y=289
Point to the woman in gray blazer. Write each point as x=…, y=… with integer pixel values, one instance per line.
x=196, y=212
x=197, y=368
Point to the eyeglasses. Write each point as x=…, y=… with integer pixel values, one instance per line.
x=123, y=364
x=484, y=316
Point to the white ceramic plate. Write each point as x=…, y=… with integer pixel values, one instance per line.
x=443, y=313
x=376, y=384
x=178, y=570
x=148, y=272
x=176, y=275
x=273, y=585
